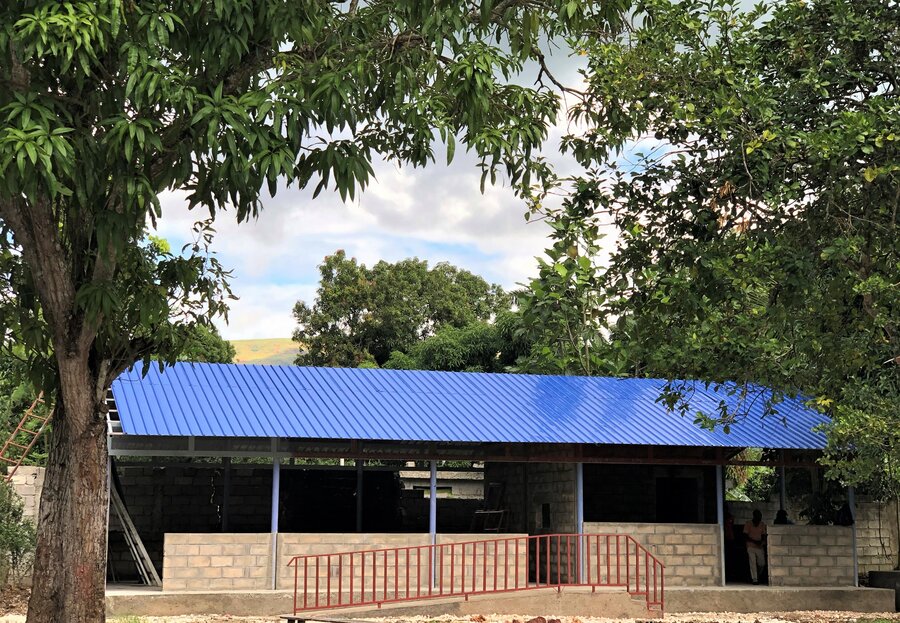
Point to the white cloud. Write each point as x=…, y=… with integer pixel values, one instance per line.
x=437, y=213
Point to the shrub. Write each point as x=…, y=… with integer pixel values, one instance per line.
x=17, y=538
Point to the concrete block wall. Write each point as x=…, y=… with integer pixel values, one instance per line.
x=876, y=529
x=28, y=482
x=876, y=536
x=528, y=487
x=292, y=544
x=690, y=552
x=810, y=556
x=743, y=511
x=217, y=562
x=413, y=555
x=243, y=561
x=509, y=555
x=186, y=499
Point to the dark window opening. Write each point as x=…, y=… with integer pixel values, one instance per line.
x=677, y=500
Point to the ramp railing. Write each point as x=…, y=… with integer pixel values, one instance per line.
x=477, y=567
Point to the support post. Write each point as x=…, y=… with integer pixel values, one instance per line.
x=579, y=517
x=720, y=517
x=226, y=490
x=851, y=500
x=782, y=482
x=276, y=491
x=359, y=495
x=432, y=519
x=108, y=505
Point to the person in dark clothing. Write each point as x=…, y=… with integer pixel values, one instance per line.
x=781, y=518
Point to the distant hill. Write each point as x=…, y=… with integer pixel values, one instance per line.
x=274, y=351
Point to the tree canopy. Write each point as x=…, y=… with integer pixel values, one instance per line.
x=482, y=346
x=750, y=160
x=364, y=314
x=106, y=104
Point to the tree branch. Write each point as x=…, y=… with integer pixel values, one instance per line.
x=36, y=230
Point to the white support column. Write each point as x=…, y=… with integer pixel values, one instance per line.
x=720, y=517
x=359, y=495
x=276, y=491
x=579, y=517
x=432, y=519
x=851, y=500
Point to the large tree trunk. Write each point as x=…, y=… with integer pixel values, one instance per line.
x=70, y=562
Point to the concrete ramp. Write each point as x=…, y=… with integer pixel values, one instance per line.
x=568, y=602
x=545, y=602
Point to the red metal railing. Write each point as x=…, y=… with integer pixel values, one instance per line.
x=375, y=577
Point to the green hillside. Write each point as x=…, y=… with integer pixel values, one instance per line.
x=274, y=351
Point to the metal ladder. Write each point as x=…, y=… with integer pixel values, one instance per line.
x=139, y=554
x=8, y=454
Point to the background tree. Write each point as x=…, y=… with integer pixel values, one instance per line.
x=563, y=309
x=481, y=346
x=751, y=161
x=205, y=344
x=364, y=314
x=105, y=104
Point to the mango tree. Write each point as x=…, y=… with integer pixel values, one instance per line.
x=108, y=103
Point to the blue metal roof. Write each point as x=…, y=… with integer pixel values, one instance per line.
x=228, y=400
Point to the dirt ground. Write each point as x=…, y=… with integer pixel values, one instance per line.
x=697, y=617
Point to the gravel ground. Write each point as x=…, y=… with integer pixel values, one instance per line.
x=694, y=617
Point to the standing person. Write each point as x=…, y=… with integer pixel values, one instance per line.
x=755, y=531
x=781, y=518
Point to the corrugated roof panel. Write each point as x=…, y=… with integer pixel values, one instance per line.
x=196, y=399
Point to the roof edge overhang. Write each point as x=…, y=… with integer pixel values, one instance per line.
x=254, y=447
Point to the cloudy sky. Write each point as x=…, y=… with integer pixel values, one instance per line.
x=437, y=213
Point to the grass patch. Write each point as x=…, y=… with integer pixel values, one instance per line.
x=272, y=351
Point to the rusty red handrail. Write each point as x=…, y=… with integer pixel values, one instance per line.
x=477, y=567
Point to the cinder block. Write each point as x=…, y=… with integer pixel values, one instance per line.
x=210, y=572
x=170, y=584
x=185, y=572
x=839, y=550
x=209, y=549
x=235, y=572
x=693, y=539
x=248, y=583
x=185, y=550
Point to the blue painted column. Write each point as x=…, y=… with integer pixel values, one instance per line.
x=276, y=491
x=432, y=519
x=359, y=495
x=579, y=517
x=720, y=517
